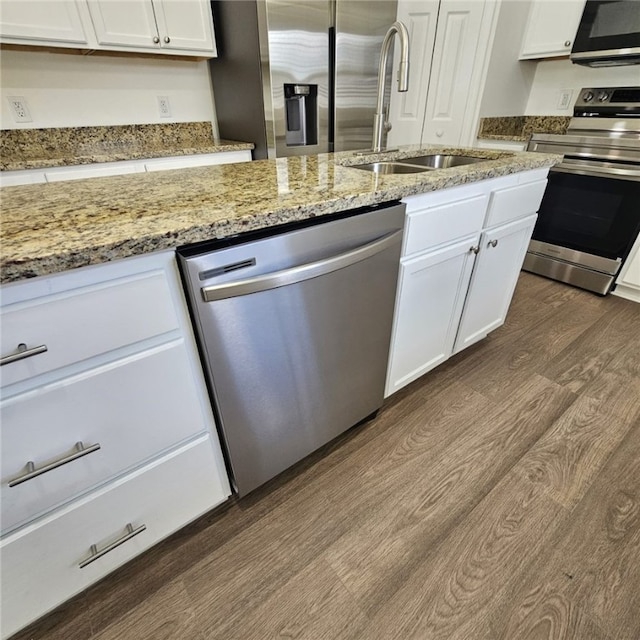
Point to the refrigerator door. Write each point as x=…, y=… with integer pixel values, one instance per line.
x=360, y=27
x=298, y=56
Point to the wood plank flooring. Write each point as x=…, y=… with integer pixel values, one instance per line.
x=496, y=498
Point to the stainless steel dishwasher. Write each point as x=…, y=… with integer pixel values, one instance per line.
x=294, y=330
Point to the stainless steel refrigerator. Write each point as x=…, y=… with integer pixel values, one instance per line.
x=298, y=77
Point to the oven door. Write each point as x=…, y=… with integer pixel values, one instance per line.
x=608, y=34
x=586, y=227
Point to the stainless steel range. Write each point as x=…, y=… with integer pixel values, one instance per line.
x=590, y=213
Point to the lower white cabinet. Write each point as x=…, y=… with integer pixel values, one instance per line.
x=108, y=442
x=454, y=288
x=46, y=563
x=628, y=280
x=501, y=254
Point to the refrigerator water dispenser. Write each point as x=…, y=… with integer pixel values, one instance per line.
x=301, y=102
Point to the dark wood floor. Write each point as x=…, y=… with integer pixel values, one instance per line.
x=498, y=497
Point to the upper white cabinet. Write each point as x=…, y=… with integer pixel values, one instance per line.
x=184, y=25
x=52, y=21
x=178, y=27
x=551, y=28
x=450, y=45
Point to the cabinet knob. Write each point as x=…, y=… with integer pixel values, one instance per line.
x=567, y=43
x=156, y=40
x=474, y=249
x=492, y=243
x=167, y=39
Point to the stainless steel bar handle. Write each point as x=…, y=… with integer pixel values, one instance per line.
x=32, y=472
x=22, y=353
x=299, y=273
x=95, y=553
x=581, y=170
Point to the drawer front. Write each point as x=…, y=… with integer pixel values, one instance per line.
x=80, y=324
x=134, y=409
x=446, y=223
x=41, y=564
x=515, y=202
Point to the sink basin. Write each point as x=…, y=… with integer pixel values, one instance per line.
x=441, y=161
x=390, y=167
x=416, y=165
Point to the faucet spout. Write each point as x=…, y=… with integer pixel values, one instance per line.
x=397, y=28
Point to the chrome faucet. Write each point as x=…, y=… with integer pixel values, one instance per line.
x=380, y=119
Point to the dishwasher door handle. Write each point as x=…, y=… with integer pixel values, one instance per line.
x=300, y=272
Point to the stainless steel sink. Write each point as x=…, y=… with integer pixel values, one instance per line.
x=418, y=164
x=390, y=167
x=442, y=161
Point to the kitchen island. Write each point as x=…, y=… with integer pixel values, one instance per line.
x=109, y=443
x=51, y=228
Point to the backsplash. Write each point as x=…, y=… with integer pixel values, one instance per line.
x=40, y=148
x=520, y=128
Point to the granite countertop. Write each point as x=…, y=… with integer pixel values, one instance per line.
x=69, y=146
x=49, y=228
x=520, y=128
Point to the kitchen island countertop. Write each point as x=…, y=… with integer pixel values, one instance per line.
x=49, y=228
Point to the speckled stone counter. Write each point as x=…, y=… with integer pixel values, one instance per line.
x=520, y=128
x=45, y=148
x=48, y=228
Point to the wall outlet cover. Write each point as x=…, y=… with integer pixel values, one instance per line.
x=564, y=99
x=164, y=108
x=19, y=109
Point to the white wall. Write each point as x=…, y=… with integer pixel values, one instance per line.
x=553, y=76
x=64, y=90
x=509, y=80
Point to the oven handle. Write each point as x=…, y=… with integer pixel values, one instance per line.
x=594, y=172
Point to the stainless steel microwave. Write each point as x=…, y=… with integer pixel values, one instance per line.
x=608, y=34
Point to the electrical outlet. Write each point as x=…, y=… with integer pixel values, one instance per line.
x=164, y=107
x=564, y=99
x=19, y=109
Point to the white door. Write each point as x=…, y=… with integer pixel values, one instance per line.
x=454, y=60
x=494, y=278
x=430, y=297
x=129, y=23
x=53, y=20
x=184, y=24
x=406, y=111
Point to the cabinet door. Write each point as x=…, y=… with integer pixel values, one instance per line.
x=551, y=28
x=184, y=24
x=454, y=59
x=42, y=20
x=494, y=278
x=431, y=293
x=128, y=23
x=406, y=111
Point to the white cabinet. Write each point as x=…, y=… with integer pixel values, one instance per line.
x=450, y=46
x=178, y=27
x=495, y=274
x=55, y=22
x=628, y=280
x=184, y=25
x=462, y=252
x=551, y=28
x=105, y=423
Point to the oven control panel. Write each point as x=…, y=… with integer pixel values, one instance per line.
x=622, y=99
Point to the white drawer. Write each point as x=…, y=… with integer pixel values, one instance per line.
x=434, y=226
x=40, y=563
x=134, y=409
x=78, y=324
x=515, y=202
